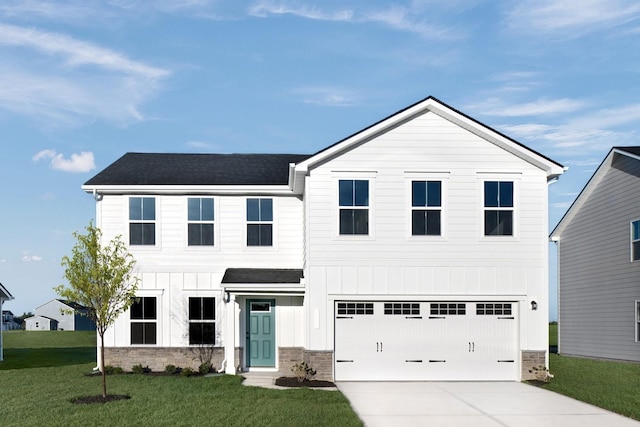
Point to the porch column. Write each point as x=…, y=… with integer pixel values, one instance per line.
x=230, y=336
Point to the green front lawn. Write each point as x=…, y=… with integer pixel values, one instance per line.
x=42, y=395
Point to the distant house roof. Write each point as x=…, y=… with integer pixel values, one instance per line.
x=73, y=304
x=632, y=152
x=4, y=293
x=197, y=169
x=262, y=275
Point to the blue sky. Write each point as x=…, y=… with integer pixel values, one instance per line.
x=82, y=82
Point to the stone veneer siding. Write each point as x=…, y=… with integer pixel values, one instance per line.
x=157, y=358
x=531, y=359
x=321, y=361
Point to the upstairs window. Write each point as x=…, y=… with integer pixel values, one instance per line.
x=354, y=206
x=143, y=320
x=635, y=240
x=637, y=321
x=142, y=221
x=201, y=222
x=426, y=208
x=259, y=222
x=202, y=316
x=498, y=208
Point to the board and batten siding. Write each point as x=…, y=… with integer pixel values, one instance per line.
x=463, y=263
x=598, y=282
x=172, y=271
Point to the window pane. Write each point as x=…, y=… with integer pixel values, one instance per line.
x=194, y=209
x=202, y=333
x=194, y=234
x=266, y=232
x=195, y=333
x=195, y=308
x=266, y=210
x=506, y=223
x=346, y=221
x=137, y=334
x=491, y=223
x=346, y=192
x=491, y=194
x=253, y=210
x=135, y=234
x=148, y=234
x=636, y=251
x=418, y=223
x=207, y=234
x=253, y=235
x=506, y=194
x=419, y=193
x=149, y=333
x=135, y=209
x=636, y=230
x=208, y=308
x=498, y=223
x=149, y=307
x=207, y=209
x=361, y=221
x=434, y=189
x=208, y=333
x=136, y=309
x=362, y=193
x=433, y=223
x=148, y=209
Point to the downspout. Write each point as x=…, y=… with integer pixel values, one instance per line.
x=556, y=240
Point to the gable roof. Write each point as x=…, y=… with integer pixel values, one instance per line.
x=631, y=152
x=429, y=104
x=4, y=293
x=172, y=169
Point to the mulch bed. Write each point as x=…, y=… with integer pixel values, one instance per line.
x=293, y=382
x=99, y=399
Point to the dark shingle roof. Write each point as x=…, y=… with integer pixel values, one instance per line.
x=262, y=275
x=633, y=150
x=198, y=169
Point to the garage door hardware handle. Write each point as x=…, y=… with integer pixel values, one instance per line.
x=413, y=361
x=379, y=347
x=413, y=317
x=506, y=318
x=344, y=361
x=436, y=317
x=437, y=361
x=506, y=361
x=344, y=317
x=472, y=347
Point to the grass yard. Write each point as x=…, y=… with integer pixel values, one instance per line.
x=553, y=334
x=42, y=395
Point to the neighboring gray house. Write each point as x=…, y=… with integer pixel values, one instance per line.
x=4, y=296
x=69, y=316
x=8, y=321
x=40, y=323
x=598, y=243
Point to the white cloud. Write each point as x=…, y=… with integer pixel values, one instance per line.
x=81, y=81
x=540, y=107
x=395, y=17
x=31, y=258
x=83, y=162
x=573, y=17
x=326, y=96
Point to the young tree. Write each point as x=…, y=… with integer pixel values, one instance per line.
x=101, y=278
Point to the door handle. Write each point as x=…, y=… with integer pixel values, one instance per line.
x=378, y=347
x=472, y=347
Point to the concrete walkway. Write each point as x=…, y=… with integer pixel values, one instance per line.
x=472, y=404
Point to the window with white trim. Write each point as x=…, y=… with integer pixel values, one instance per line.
x=353, y=201
x=200, y=218
x=143, y=320
x=637, y=321
x=426, y=208
x=498, y=208
x=259, y=222
x=635, y=240
x=142, y=221
x=202, y=316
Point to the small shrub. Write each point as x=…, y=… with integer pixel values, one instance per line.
x=303, y=372
x=205, y=368
x=541, y=373
x=139, y=369
x=187, y=372
x=113, y=370
x=171, y=369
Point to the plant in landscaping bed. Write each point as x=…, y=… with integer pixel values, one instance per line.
x=139, y=369
x=541, y=373
x=172, y=369
x=187, y=372
x=205, y=368
x=302, y=371
x=113, y=370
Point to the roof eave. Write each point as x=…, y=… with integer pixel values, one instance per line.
x=187, y=189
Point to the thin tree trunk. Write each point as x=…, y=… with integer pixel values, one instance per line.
x=104, y=374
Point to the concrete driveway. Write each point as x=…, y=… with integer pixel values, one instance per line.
x=473, y=404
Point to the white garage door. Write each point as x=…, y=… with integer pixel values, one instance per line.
x=426, y=340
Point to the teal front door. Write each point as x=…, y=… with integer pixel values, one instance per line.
x=261, y=334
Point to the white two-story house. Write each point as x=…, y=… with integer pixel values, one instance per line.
x=415, y=249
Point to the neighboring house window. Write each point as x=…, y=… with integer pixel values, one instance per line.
x=202, y=315
x=426, y=208
x=143, y=325
x=637, y=321
x=354, y=206
x=259, y=222
x=201, y=221
x=635, y=240
x=498, y=208
x=142, y=221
